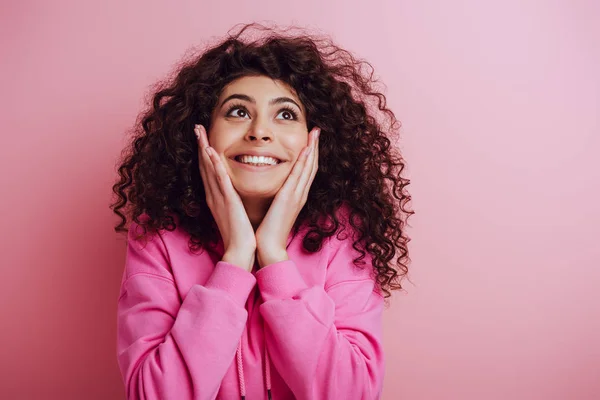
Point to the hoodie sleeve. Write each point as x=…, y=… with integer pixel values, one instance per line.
x=325, y=343
x=173, y=349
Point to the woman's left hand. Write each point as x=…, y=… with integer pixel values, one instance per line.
x=273, y=232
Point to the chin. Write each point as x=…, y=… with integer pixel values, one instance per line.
x=257, y=192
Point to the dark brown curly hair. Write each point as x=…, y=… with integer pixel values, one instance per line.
x=359, y=169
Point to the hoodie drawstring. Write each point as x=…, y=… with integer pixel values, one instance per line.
x=240, y=367
x=268, y=371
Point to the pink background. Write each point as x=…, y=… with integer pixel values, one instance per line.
x=499, y=103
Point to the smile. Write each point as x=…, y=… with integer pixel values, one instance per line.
x=255, y=165
x=257, y=160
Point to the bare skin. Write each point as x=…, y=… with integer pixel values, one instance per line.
x=255, y=206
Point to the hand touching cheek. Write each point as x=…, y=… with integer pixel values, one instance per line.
x=272, y=234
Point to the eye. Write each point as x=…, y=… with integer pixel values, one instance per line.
x=288, y=114
x=240, y=111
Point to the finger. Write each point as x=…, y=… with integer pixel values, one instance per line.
x=316, y=157
x=203, y=144
x=304, y=179
x=298, y=168
x=315, y=167
x=294, y=176
x=214, y=179
x=226, y=186
x=206, y=168
x=201, y=153
x=222, y=177
x=202, y=162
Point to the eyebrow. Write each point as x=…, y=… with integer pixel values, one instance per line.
x=277, y=100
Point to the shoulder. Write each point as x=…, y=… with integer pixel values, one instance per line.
x=346, y=234
x=140, y=235
x=152, y=251
x=348, y=259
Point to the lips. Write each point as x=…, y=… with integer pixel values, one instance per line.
x=256, y=153
x=253, y=167
x=240, y=159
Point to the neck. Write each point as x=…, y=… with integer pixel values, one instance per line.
x=256, y=208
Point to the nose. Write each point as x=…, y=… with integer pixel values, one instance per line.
x=259, y=134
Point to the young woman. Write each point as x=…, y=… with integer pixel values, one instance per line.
x=267, y=222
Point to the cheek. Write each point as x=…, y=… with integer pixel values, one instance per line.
x=218, y=140
x=297, y=144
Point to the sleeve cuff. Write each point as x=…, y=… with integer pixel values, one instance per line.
x=280, y=280
x=235, y=281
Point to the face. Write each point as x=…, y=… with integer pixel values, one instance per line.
x=258, y=129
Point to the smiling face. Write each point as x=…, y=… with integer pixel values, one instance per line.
x=258, y=116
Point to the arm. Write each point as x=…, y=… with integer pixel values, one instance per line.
x=325, y=343
x=168, y=349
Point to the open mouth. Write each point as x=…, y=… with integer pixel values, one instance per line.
x=257, y=161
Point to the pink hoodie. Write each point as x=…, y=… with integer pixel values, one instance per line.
x=190, y=326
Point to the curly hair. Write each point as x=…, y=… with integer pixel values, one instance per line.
x=359, y=170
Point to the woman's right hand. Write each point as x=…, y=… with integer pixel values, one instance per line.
x=226, y=206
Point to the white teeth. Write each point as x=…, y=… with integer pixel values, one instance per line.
x=258, y=160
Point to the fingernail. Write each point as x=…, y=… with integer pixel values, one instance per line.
x=318, y=133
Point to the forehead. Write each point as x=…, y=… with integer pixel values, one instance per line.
x=260, y=87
